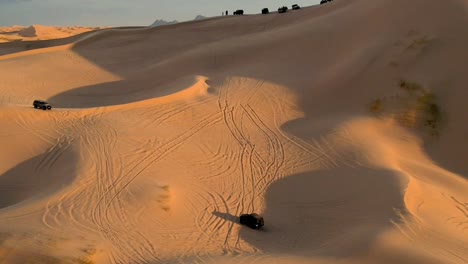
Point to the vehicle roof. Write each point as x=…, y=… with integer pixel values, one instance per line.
x=256, y=215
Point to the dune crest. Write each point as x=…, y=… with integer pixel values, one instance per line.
x=40, y=32
x=342, y=124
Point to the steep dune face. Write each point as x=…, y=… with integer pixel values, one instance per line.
x=321, y=119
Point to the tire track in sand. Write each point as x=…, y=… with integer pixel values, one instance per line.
x=109, y=202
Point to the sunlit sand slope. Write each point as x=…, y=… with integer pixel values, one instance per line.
x=342, y=124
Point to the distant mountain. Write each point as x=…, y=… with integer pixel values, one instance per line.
x=161, y=22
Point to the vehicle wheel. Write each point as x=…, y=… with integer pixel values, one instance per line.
x=49, y=107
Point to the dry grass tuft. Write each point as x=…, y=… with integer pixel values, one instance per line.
x=416, y=108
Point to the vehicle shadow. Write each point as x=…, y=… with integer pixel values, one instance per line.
x=226, y=216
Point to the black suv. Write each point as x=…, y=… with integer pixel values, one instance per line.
x=42, y=105
x=295, y=7
x=283, y=9
x=265, y=11
x=239, y=12
x=252, y=220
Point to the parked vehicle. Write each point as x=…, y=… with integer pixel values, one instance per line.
x=239, y=12
x=252, y=220
x=42, y=105
x=295, y=7
x=283, y=9
x=265, y=11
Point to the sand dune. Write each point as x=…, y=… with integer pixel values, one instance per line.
x=40, y=32
x=342, y=124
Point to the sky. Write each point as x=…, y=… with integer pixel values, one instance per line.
x=125, y=12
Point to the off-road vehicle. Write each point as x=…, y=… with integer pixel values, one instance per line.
x=239, y=12
x=295, y=7
x=283, y=9
x=252, y=220
x=42, y=105
x=265, y=11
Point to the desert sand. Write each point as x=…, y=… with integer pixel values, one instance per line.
x=40, y=32
x=344, y=125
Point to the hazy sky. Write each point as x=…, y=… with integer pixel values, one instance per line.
x=125, y=12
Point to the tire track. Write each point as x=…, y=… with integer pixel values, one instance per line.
x=233, y=116
x=109, y=201
x=53, y=153
x=115, y=232
x=167, y=148
x=277, y=160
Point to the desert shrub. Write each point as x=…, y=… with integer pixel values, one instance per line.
x=407, y=118
x=376, y=106
x=409, y=86
x=417, y=108
x=419, y=42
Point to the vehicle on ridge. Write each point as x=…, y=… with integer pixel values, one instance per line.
x=283, y=9
x=40, y=104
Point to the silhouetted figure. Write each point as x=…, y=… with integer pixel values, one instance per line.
x=227, y=13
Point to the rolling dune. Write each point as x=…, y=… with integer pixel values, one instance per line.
x=342, y=124
x=39, y=32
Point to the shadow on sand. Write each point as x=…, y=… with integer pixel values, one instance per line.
x=334, y=213
x=226, y=216
x=119, y=92
x=41, y=175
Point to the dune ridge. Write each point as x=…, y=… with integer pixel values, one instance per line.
x=161, y=137
x=40, y=32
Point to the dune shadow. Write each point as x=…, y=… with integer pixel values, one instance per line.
x=446, y=153
x=41, y=175
x=333, y=213
x=147, y=58
x=226, y=216
x=119, y=92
